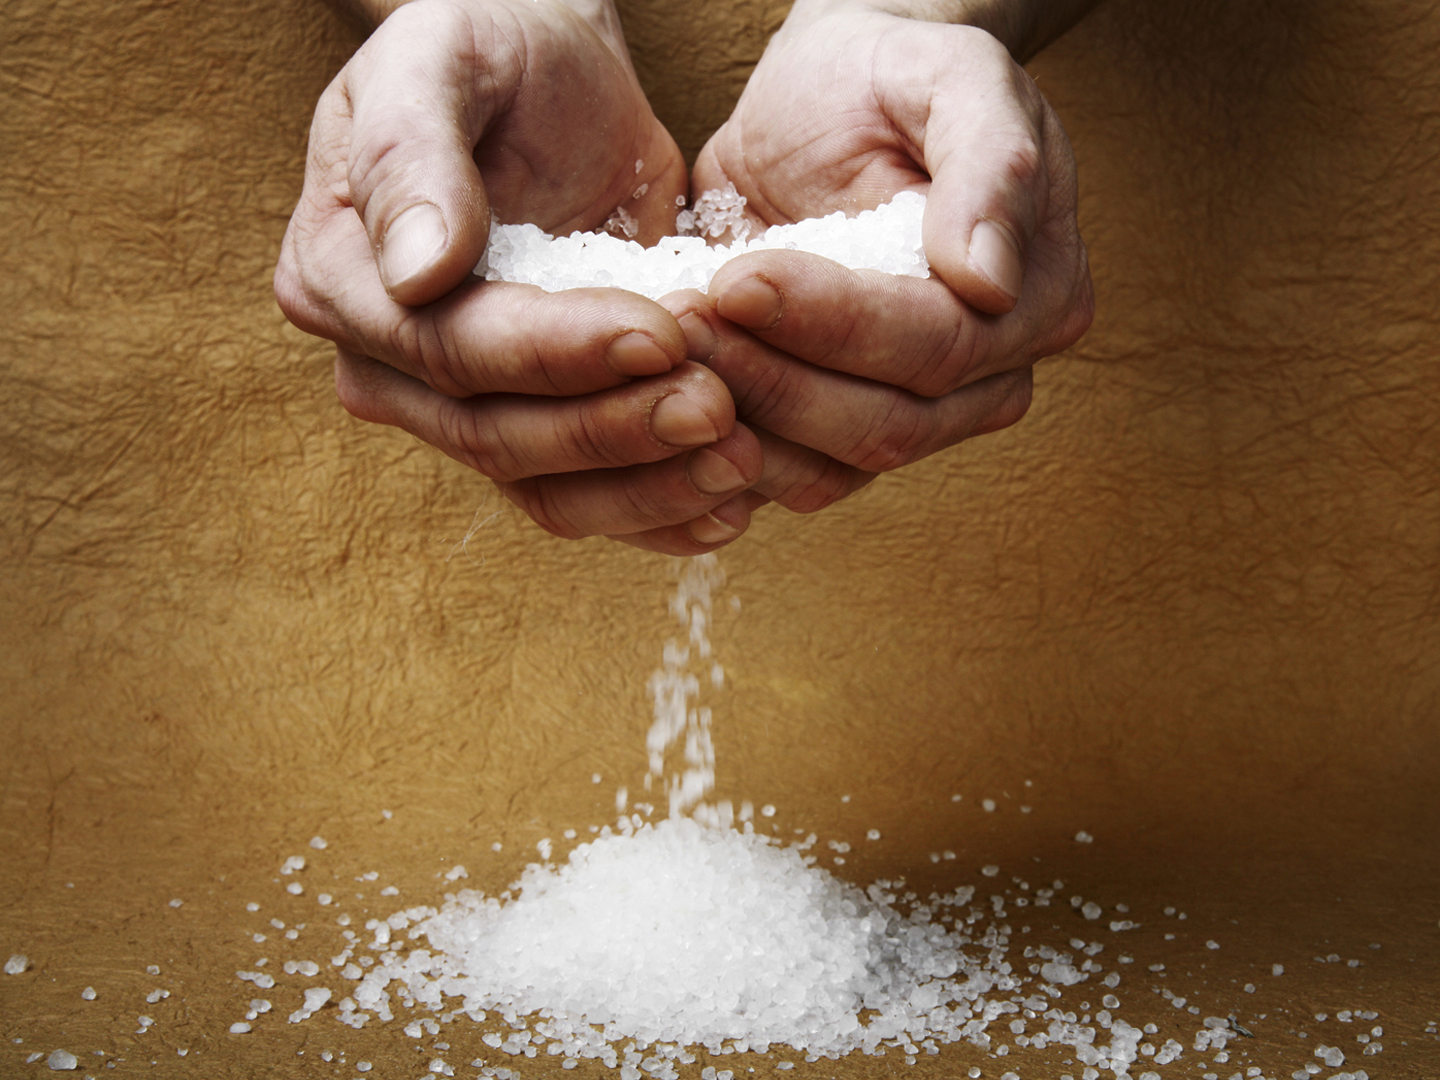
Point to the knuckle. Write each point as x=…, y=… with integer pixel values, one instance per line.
x=590, y=440
x=900, y=437
x=947, y=361
x=818, y=489
x=539, y=501
x=418, y=338
x=478, y=442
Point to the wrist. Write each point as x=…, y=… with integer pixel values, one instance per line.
x=600, y=14
x=1024, y=27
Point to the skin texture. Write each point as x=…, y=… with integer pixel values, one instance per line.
x=792, y=380
x=877, y=103
x=452, y=111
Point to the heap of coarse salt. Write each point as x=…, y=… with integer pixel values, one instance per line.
x=886, y=239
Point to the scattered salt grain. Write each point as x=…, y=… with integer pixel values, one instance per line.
x=1083, y=837
x=252, y=906
x=318, y=843
x=1277, y=969
x=988, y=805
x=872, y=834
x=390, y=890
x=239, y=1028
x=176, y=902
x=295, y=888
x=292, y=864
x=152, y=969
x=17, y=964
x=88, y=993
x=61, y=1061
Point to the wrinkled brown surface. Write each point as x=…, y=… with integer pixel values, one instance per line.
x=1192, y=599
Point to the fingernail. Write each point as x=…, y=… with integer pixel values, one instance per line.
x=637, y=354
x=712, y=474
x=677, y=421
x=699, y=338
x=711, y=530
x=995, y=254
x=412, y=244
x=751, y=302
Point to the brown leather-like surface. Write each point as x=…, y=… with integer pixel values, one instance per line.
x=1192, y=598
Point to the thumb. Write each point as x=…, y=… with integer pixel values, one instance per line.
x=990, y=186
x=412, y=174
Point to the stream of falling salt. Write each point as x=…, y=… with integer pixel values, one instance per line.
x=679, y=720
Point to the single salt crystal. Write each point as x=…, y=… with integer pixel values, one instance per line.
x=362, y=1066
x=455, y=873
x=390, y=890
x=324, y=899
x=152, y=969
x=1277, y=969
x=1212, y=944
x=17, y=964
x=293, y=863
x=988, y=805
x=239, y=1028
x=62, y=1061
x=252, y=906
x=990, y=871
x=872, y=834
x=88, y=993
x=1083, y=837
x=318, y=843
x=767, y=810
x=1091, y=910
x=176, y=902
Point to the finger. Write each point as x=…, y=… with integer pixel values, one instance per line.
x=713, y=530
x=863, y=423
x=640, y=498
x=804, y=480
x=484, y=337
x=909, y=332
x=416, y=116
x=510, y=437
x=995, y=167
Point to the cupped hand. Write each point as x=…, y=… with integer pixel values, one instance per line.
x=845, y=374
x=580, y=404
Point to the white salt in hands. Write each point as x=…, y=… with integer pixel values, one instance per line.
x=843, y=374
x=587, y=406
x=581, y=405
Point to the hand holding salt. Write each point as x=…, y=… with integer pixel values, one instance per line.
x=844, y=374
x=580, y=405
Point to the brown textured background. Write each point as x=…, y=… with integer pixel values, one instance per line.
x=1192, y=598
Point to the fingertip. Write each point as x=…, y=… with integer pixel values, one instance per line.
x=723, y=524
x=994, y=254
x=751, y=302
x=414, y=242
x=635, y=354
